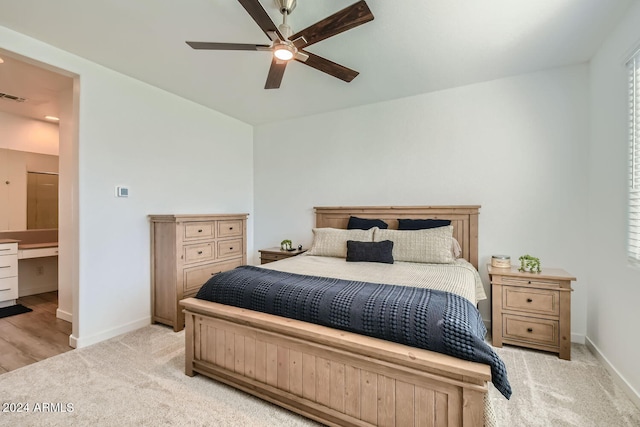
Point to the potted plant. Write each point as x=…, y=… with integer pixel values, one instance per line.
x=286, y=245
x=529, y=264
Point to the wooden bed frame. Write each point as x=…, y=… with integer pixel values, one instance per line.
x=336, y=377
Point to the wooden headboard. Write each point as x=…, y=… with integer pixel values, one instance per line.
x=463, y=218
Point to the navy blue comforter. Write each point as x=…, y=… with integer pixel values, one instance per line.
x=424, y=318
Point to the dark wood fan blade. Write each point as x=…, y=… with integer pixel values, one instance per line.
x=346, y=19
x=257, y=12
x=330, y=67
x=274, y=78
x=228, y=46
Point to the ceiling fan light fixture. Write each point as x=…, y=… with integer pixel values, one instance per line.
x=284, y=51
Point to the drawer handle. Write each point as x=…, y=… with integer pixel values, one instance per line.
x=230, y=228
x=213, y=274
x=200, y=231
x=529, y=300
x=5, y=266
x=5, y=249
x=199, y=252
x=529, y=329
x=529, y=282
x=2, y=290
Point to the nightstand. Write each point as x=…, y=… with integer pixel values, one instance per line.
x=275, y=254
x=532, y=309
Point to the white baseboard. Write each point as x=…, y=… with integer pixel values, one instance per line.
x=79, y=342
x=617, y=378
x=64, y=315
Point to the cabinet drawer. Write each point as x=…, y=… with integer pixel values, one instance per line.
x=199, y=230
x=540, y=301
x=530, y=329
x=229, y=228
x=195, y=277
x=8, y=266
x=229, y=248
x=198, y=253
x=8, y=248
x=8, y=288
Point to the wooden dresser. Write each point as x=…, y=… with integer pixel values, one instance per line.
x=532, y=309
x=186, y=250
x=8, y=272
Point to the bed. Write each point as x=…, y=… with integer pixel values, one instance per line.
x=335, y=376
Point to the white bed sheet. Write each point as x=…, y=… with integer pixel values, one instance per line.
x=460, y=277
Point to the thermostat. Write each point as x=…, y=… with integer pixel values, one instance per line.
x=122, y=191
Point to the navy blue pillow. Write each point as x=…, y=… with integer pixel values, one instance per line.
x=422, y=224
x=356, y=223
x=370, y=251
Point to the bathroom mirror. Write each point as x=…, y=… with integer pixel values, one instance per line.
x=42, y=200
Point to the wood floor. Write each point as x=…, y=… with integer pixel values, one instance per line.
x=30, y=337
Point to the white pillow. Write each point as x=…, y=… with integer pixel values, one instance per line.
x=432, y=245
x=333, y=241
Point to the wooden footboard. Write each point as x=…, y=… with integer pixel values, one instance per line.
x=335, y=377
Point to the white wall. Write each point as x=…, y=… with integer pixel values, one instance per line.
x=614, y=286
x=176, y=157
x=516, y=146
x=23, y=134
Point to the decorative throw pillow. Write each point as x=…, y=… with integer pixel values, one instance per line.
x=421, y=224
x=333, y=241
x=370, y=251
x=429, y=246
x=356, y=223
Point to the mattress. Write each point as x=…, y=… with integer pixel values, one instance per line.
x=460, y=278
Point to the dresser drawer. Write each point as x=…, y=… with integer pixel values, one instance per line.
x=230, y=248
x=8, y=266
x=230, y=228
x=199, y=230
x=8, y=288
x=199, y=253
x=530, y=300
x=530, y=329
x=195, y=277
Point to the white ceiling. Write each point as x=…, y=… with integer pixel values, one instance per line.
x=411, y=47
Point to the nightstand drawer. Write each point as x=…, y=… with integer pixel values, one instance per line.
x=539, y=301
x=229, y=228
x=195, y=277
x=199, y=230
x=198, y=253
x=517, y=281
x=229, y=248
x=265, y=258
x=530, y=329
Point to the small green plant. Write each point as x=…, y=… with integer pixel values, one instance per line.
x=530, y=264
x=286, y=245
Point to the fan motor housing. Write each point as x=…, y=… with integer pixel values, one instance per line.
x=286, y=6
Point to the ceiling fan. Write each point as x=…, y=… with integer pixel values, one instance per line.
x=286, y=46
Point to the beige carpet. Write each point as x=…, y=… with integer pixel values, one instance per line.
x=137, y=380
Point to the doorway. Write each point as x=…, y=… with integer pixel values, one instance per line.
x=25, y=79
